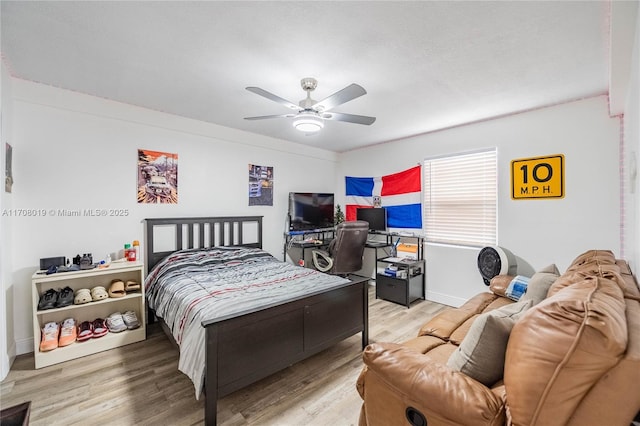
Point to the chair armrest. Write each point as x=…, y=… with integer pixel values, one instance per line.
x=321, y=260
x=443, y=395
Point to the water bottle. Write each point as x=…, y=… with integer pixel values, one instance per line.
x=136, y=249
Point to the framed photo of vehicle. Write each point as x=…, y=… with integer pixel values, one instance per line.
x=157, y=177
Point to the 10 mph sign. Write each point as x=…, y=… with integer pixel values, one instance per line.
x=539, y=177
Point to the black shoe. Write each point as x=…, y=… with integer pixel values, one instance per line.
x=65, y=297
x=48, y=300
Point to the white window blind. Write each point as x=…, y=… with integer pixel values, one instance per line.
x=460, y=198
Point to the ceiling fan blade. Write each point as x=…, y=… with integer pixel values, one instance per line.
x=347, y=94
x=263, y=117
x=350, y=118
x=271, y=96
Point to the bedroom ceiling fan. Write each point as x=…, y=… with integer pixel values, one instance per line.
x=310, y=114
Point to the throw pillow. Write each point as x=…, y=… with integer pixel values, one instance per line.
x=482, y=351
x=551, y=269
x=540, y=283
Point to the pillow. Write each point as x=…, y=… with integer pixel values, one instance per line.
x=482, y=351
x=540, y=283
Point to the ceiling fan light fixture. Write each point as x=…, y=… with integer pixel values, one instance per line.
x=308, y=123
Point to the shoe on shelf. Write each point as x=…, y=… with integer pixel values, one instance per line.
x=68, y=332
x=65, y=297
x=49, y=339
x=99, y=327
x=85, y=331
x=82, y=296
x=117, y=289
x=132, y=285
x=99, y=293
x=131, y=320
x=48, y=299
x=115, y=322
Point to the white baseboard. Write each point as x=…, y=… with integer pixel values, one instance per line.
x=7, y=361
x=445, y=299
x=24, y=346
x=5, y=367
x=12, y=353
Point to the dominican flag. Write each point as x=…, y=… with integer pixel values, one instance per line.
x=400, y=194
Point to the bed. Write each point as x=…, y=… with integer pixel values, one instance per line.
x=241, y=343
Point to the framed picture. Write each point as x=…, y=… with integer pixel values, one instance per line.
x=157, y=177
x=260, y=185
x=8, y=173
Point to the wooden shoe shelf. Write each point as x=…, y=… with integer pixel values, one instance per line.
x=132, y=301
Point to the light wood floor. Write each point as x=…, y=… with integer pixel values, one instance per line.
x=139, y=384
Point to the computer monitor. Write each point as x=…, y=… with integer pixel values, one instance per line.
x=377, y=217
x=310, y=210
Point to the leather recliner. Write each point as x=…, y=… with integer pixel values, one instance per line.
x=572, y=359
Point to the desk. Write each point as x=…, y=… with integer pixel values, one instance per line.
x=377, y=245
x=295, y=245
x=296, y=240
x=303, y=259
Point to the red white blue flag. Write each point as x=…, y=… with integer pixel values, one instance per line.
x=400, y=193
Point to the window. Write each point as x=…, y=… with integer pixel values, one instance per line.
x=460, y=198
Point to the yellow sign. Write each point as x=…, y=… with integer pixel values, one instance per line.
x=539, y=177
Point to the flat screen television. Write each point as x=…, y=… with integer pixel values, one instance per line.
x=310, y=210
x=377, y=217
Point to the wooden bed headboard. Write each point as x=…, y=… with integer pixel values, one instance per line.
x=164, y=236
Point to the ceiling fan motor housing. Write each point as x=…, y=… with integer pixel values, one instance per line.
x=496, y=260
x=309, y=84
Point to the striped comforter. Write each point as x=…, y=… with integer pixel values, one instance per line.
x=191, y=286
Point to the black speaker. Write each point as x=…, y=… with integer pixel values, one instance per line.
x=47, y=262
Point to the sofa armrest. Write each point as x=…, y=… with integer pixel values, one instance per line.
x=411, y=378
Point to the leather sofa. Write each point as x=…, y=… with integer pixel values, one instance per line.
x=570, y=358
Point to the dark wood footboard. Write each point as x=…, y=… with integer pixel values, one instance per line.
x=244, y=349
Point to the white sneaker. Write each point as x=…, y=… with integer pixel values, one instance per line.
x=131, y=320
x=115, y=322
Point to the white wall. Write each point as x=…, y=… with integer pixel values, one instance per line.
x=80, y=152
x=7, y=341
x=538, y=232
x=631, y=151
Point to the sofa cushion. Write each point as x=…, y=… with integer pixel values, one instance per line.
x=447, y=321
x=540, y=283
x=595, y=268
x=561, y=348
x=482, y=351
x=593, y=256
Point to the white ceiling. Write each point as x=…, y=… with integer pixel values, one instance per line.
x=425, y=65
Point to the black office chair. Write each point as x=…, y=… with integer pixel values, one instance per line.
x=344, y=254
